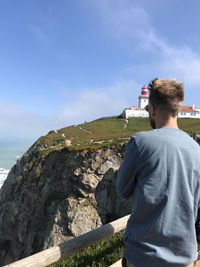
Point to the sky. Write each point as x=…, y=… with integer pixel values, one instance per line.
x=66, y=62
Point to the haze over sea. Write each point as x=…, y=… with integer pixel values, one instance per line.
x=10, y=152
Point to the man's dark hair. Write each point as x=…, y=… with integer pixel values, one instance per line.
x=167, y=96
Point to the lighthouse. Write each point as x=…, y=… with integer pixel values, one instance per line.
x=143, y=98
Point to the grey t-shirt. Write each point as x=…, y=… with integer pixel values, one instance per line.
x=161, y=171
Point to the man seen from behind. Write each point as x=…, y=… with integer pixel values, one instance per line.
x=161, y=172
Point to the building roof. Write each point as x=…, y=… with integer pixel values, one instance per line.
x=144, y=90
x=144, y=87
x=133, y=107
x=188, y=109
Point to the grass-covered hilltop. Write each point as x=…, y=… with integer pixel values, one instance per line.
x=103, y=132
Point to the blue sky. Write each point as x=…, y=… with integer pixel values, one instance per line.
x=65, y=62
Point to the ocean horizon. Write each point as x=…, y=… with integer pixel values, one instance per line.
x=11, y=151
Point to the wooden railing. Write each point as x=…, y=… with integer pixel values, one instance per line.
x=63, y=250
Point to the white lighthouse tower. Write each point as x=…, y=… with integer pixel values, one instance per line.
x=143, y=98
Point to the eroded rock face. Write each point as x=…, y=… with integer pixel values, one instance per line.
x=54, y=198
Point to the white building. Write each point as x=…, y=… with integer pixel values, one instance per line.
x=140, y=111
x=189, y=112
x=185, y=112
x=143, y=98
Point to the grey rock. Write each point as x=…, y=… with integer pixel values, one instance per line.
x=54, y=199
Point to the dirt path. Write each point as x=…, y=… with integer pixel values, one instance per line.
x=85, y=130
x=68, y=142
x=126, y=124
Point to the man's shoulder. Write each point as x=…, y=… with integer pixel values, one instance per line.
x=165, y=132
x=145, y=138
x=145, y=134
x=165, y=135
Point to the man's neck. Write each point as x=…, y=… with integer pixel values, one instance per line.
x=171, y=122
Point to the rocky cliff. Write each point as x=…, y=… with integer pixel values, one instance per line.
x=51, y=197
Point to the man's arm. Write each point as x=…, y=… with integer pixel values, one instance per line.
x=126, y=176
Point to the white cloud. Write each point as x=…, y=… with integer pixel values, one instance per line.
x=183, y=63
x=39, y=33
x=88, y=104
x=175, y=62
x=50, y=8
x=125, y=20
x=20, y=123
x=130, y=24
x=91, y=104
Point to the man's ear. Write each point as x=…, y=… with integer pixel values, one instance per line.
x=152, y=110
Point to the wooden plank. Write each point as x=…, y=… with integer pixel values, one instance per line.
x=117, y=264
x=63, y=250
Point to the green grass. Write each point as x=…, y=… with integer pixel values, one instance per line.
x=103, y=132
x=101, y=254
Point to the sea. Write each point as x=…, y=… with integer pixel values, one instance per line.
x=10, y=151
x=3, y=176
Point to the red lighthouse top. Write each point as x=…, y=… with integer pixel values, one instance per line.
x=144, y=90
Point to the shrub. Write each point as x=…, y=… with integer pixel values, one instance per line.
x=101, y=254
